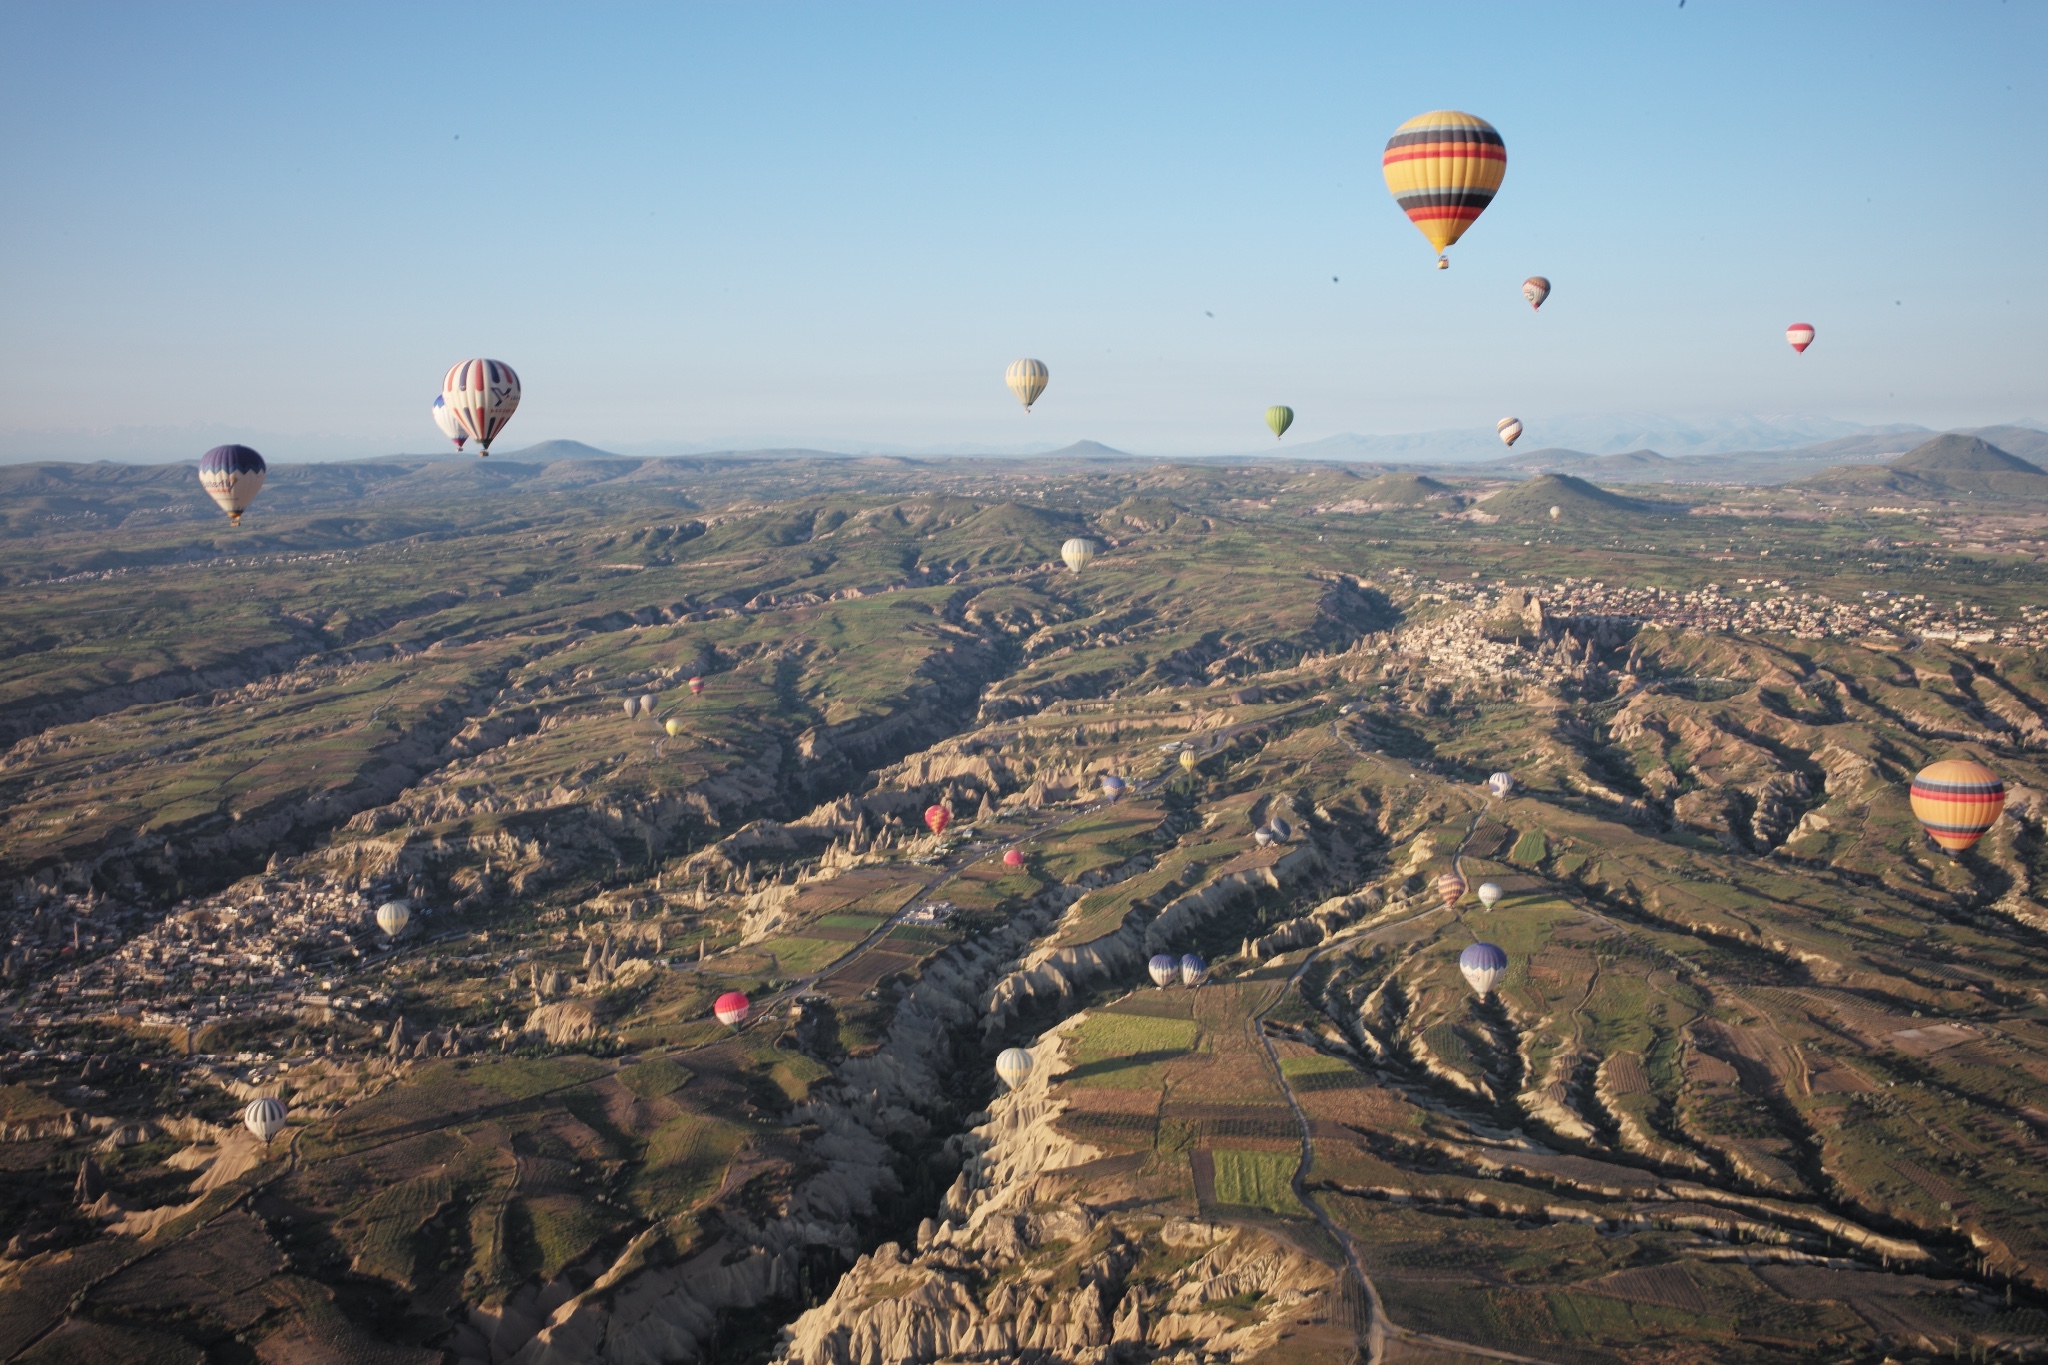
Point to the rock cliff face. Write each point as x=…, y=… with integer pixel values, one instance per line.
x=1018, y=1267
x=638, y=1313
x=1050, y=975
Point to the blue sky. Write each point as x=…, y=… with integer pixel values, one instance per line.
x=837, y=224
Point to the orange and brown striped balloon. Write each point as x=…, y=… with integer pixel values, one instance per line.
x=1956, y=800
x=1443, y=169
x=1451, y=886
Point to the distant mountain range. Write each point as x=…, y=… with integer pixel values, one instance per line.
x=1821, y=439
x=1760, y=466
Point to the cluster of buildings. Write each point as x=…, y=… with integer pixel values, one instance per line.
x=263, y=946
x=1750, y=606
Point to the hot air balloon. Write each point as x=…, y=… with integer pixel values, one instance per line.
x=444, y=418
x=232, y=476
x=1263, y=836
x=1489, y=894
x=732, y=1009
x=1510, y=429
x=392, y=917
x=1956, y=800
x=264, y=1118
x=1535, y=289
x=647, y=704
x=1799, y=335
x=696, y=687
x=483, y=395
x=1443, y=169
x=1483, y=965
x=1013, y=858
x=937, y=817
x=1188, y=760
x=1013, y=1066
x=1279, y=418
x=1165, y=969
x=1026, y=379
x=1078, y=552
x=1451, y=886
x=1556, y=512
x=632, y=707
x=1193, y=971
x=1113, y=786
x=1282, y=831
x=673, y=726
x=1500, y=784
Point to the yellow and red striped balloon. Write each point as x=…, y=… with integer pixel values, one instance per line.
x=1443, y=169
x=1956, y=800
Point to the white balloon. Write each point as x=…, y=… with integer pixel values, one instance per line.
x=393, y=916
x=264, y=1118
x=1078, y=552
x=1489, y=894
x=1014, y=1066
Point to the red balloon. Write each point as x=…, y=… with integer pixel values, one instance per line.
x=732, y=1009
x=1013, y=859
x=1799, y=335
x=938, y=817
x=696, y=687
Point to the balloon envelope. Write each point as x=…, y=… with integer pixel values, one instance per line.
x=1014, y=1065
x=1279, y=418
x=647, y=704
x=232, y=476
x=1500, y=784
x=1027, y=379
x=1556, y=512
x=1489, y=894
x=483, y=395
x=1535, y=289
x=632, y=707
x=444, y=418
x=264, y=1118
x=1112, y=786
x=1193, y=971
x=1956, y=801
x=1483, y=966
x=1013, y=858
x=696, y=687
x=1187, y=760
x=1077, y=552
x=1165, y=969
x=1451, y=886
x=732, y=1009
x=1799, y=335
x=1263, y=836
x=1282, y=831
x=673, y=726
x=1443, y=168
x=1510, y=429
x=937, y=817
x=393, y=916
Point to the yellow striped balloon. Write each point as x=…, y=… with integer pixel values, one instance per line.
x=1026, y=379
x=1443, y=169
x=1956, y=800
